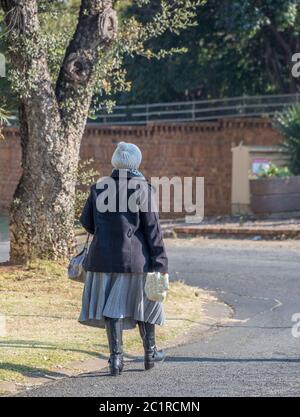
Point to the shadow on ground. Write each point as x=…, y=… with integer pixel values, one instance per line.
x=30, y=371
x=36, y=372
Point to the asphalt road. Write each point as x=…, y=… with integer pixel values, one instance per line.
x=256, y=355
x=4, y=251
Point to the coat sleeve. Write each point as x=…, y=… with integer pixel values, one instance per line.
x=151, y=228
x=87, y=215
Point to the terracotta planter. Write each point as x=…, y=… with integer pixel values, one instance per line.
x=275, y=195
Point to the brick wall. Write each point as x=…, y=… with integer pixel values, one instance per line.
x=10, y=166
x=190, y=149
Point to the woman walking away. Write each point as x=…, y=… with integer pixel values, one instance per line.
x=126, y=245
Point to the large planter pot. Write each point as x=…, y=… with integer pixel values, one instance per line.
x=275, y=195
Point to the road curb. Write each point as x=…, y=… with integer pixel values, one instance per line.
x=238, y=232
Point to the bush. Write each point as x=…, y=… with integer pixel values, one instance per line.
x=275, y=171
x=288, y=124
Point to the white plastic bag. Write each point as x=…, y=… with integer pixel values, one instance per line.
x=156, y=286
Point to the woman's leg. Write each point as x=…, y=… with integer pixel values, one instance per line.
x=114, y=330
x=147, y=332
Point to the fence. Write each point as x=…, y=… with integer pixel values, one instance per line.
x=190, y=111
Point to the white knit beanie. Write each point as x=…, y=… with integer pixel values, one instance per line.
x=126, y=156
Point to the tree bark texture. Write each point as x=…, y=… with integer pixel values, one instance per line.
x=42, y=213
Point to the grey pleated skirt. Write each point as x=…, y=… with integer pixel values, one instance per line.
x=118, y=295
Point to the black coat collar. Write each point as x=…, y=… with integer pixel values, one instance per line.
x=116, y=174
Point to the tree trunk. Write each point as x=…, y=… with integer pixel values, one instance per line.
x=42, y=213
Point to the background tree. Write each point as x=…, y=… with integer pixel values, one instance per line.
x=55, y=77
x=237, y=47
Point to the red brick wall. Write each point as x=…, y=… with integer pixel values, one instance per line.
x=10, y=166
x=190, y=149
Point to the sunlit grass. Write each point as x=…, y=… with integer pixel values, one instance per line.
x=41, y=306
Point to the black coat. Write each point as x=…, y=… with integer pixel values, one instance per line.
x=123, y=241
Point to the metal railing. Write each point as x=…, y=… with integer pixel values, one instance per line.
x=191, y=111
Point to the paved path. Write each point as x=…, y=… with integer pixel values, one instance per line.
x=254, y=355
x=4, y=251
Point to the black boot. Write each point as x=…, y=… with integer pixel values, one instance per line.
x=114, y=335
x=147, y=332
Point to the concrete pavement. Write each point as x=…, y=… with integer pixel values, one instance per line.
x=4, y=251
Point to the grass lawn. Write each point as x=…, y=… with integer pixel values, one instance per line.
x=41, y=306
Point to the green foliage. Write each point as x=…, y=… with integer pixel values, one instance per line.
x=86, y=176
x=275, y=171
x=236, y=48
x=4, y=120
x=225, y=48
x=7, y=98
x=58, y=21
x=288, y=124
x=4, y=116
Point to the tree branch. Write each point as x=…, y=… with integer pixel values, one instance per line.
x=20, y=16
x=29, y=63
x=285, y=46
x=96, y=29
